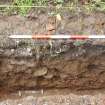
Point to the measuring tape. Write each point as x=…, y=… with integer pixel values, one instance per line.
x=57, y=36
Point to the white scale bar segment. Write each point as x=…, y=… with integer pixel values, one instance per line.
x=60, y=36
x=97, y=37
x=20, y=36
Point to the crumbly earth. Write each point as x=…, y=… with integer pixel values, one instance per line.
x=55, y=97
x=37, y=64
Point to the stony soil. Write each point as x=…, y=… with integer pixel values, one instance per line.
x=55, y=97
x=30, y=65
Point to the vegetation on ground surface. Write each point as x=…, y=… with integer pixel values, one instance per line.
x=88, y=4
x=95, y=5
x=23, y=10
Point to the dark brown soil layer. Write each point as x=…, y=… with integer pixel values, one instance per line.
x=68, y=70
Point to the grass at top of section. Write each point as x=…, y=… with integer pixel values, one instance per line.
x=73, y=4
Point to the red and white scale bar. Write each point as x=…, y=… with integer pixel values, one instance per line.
x=57, y=36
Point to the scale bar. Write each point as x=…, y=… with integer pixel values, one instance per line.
x=57, y=36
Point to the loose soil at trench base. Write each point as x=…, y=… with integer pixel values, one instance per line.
x=68, y=74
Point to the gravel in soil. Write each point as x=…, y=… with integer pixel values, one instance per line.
x=81, y=68
x=56, y=97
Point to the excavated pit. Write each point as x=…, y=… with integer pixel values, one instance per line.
x=52, y=63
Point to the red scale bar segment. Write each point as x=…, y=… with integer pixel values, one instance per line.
x=79, y=37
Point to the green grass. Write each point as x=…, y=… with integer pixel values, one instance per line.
x=17, y=7
x=92, y=5
x=40, y=2
x=95, y=5
x=23, y=10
